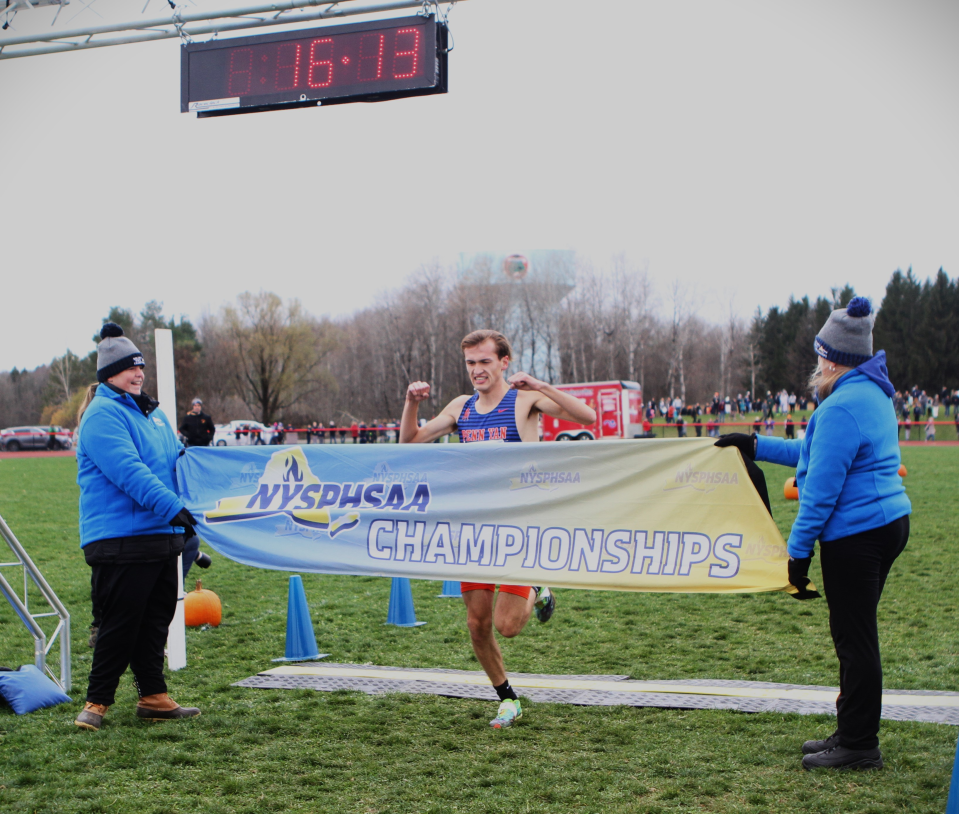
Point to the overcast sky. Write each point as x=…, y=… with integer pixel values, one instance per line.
x=752, y=150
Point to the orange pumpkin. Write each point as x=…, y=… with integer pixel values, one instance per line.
x=902, y=471
x=202, y=607
x=790, y=490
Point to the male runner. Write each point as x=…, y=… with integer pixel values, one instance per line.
x=500, y=410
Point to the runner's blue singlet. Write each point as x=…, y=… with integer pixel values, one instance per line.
x=499, y=424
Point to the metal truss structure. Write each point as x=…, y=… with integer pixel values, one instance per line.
x=180, y=23
x=42, y=644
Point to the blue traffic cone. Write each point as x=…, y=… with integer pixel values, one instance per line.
x=300, y=641
x=451, y=590
x=952, y=806
x=401, y=611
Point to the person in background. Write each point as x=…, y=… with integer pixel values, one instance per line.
x=930, y=429
x=851, y=498
x=790, y=426
x=132, y=524
x=907, y=426
x=197, y=427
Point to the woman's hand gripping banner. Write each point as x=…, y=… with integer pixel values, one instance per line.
x=677, y=515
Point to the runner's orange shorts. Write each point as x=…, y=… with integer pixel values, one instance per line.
x=519, y=590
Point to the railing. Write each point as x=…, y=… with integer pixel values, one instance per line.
x=42, y=644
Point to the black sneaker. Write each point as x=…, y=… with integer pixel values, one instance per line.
x=545, y=604
x=839, y=757
x=811, y=747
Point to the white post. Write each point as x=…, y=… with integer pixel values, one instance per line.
x=166, y=393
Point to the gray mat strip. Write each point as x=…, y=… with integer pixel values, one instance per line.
x=590, y=677
x=378, y=686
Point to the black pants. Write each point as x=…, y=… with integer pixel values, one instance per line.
x=854, y=571
x=136, y=603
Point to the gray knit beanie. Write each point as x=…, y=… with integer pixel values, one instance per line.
x=115, y=353
x=846, y=338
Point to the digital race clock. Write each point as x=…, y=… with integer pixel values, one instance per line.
x=362, y=62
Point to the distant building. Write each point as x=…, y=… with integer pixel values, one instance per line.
x=521, y=293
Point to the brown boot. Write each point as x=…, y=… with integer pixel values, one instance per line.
x=160, y=707
x=92, y=716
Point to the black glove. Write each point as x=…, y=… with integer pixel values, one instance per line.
x=798, y=569
x=187, y=520
x=746, y=444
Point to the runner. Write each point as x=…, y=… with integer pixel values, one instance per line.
x=500, y=410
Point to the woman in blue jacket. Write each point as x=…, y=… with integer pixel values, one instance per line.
x=131, y=531
x=852, y=500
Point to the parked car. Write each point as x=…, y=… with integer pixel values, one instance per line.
x=241, y=433
x=13, y=439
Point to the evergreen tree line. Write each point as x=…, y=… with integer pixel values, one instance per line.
x=266, y=359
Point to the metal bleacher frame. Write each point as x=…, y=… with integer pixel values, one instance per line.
x=41, y=643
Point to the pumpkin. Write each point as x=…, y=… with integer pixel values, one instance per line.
x=790, y=490
x=202, y=607
x=902, y=471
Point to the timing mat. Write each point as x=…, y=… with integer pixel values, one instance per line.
x=603, y=690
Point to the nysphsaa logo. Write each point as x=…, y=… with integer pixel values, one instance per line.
x=288, y=487
x=547, y=481
x=700, y=480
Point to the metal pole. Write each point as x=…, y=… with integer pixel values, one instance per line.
x=39, y=637
x=165, y=28
x=170, y=19
x=63, y=629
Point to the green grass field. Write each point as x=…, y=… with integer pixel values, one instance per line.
x=263, y=750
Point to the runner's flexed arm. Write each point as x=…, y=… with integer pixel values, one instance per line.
x=445, y=422
x=551, y=401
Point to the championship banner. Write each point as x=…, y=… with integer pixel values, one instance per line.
x=654, y=515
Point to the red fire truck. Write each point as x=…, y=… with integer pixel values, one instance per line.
x=619, y=412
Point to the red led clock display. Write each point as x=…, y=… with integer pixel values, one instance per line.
x=385, y=59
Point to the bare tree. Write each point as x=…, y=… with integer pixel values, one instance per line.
x=63, y=371
x=682, y=308
x=633, y=292
x=275, y=352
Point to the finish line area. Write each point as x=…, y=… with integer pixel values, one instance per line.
x=928, y=706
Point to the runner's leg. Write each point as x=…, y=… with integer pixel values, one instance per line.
x=512, y=611
x=479, y=620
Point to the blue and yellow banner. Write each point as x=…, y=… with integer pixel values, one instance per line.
x=652, y=515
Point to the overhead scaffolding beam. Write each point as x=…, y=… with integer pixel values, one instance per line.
x=178, y=24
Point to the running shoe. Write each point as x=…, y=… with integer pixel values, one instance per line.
x=509, y=713
x=545, y=604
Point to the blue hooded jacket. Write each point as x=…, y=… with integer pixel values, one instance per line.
x=847, y=466
x=126, y=470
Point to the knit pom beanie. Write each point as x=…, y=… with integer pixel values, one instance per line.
x=846, y=338
x=115, y=353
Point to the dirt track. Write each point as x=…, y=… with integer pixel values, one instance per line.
x=39, y=453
